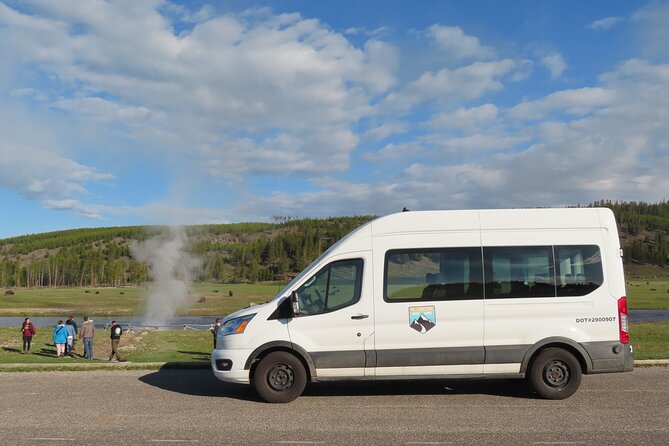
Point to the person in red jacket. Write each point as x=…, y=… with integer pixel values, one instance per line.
x=28, y=330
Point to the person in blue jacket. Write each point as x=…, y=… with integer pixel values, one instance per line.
x=60, y=338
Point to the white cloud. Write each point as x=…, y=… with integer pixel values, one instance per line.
x=605, y=23
x=574, y=102
x=461, y=84
x=29, y=93
x=618, y=150
x=82, y=210
x=555, y=64
x=254, y=73
x=465, y=119
x=652, y=24
x=174, y=214
x=394, y=151
x=455, y=44
x=387, y=129
x=277, y=96
x=42, y=175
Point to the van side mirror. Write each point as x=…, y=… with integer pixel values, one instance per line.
x=295, y=302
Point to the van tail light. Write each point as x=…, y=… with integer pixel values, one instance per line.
x=622, y=317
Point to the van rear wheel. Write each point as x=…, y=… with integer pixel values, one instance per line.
x=555, y=374
x=280, y=378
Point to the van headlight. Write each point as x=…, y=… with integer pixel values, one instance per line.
x=236, y=325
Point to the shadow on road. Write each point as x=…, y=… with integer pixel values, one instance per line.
x=197, y=383
x=203, y=383
x=512, y=388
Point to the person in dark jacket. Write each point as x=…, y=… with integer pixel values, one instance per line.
x=69, y=345
x=115, y=336
x=70, y=321
x=28, y=330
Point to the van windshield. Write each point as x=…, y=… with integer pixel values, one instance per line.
x=309, y=269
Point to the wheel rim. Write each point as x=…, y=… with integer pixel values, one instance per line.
x=281, y=377
x=556, y=374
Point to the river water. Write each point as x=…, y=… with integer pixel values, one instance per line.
x=203, y=322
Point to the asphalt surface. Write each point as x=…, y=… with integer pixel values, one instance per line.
x=126, y=407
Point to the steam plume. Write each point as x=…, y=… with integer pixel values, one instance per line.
x=171, y=269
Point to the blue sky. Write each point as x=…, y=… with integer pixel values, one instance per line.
x=155, y=112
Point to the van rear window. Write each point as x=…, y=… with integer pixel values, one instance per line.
x=579, y=269
x=433, y=274
x=443, y=274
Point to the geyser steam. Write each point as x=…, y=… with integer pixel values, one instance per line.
x=171, y=269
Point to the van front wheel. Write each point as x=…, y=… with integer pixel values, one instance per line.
x=555, y=374
x=280, y=378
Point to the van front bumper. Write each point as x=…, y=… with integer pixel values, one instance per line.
x=228, y=365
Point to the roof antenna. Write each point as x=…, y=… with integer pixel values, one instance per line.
x=405, y=209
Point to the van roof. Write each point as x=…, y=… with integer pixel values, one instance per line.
x=491, y=219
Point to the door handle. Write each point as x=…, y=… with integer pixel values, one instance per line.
x=360, y=316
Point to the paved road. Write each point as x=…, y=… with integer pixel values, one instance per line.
x=192, y=407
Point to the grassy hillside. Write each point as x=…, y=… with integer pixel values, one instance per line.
x=231, y=253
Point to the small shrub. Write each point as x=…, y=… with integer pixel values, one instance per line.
x=87, y=291
x=97, y=292
x=653, y=289
x=122, y=293
x=215, y=291
x=230, y=293
x=9, y=292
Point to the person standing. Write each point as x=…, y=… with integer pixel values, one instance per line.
x=71, y=321
x=115, y=336
x=86, y=334
x=69, y=346
x=28, y=330
x=214, y=330
x=59, y=337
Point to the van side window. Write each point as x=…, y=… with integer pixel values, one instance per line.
x=579, y=269
x=335, y=286
x=519, y=271
x=416, y=275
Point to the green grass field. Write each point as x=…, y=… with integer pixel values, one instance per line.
x=206, y=299
x=651, y=341
x=143, y=346
x=651, y=294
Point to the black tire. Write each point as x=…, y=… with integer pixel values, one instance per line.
x=555, y=374
x=280, y=378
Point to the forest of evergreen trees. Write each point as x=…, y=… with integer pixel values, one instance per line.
x=248, y=252
x=231, y=253
x=644, y=230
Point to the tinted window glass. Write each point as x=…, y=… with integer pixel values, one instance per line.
x=519, y=271
x=433, y=274
x=579, y=269
x=335, y=286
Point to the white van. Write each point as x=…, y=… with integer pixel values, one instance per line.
x=534, y=293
